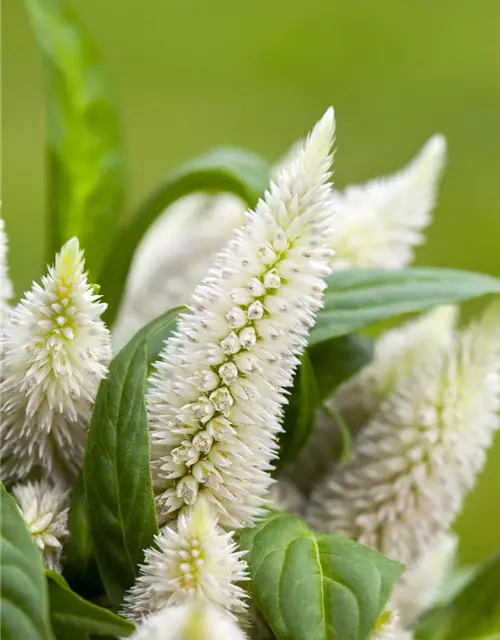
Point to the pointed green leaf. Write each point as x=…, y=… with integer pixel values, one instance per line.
x=223, y=170
x=73, y=617
x=315, y=587
x=24, y=610
x=116, y=470
x=357, y=298
x=85, y=166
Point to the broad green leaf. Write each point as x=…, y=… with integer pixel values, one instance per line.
x=313, y=586
x=80, y=567
x=24, y=607
x=231, y=170
x=73, y=617
x=473, y=614
x=358, y=298
x=324, y=367
x=120, y=502
x=85, y=166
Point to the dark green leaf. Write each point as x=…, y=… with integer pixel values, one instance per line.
x=324, y=367
x=85, y=181
x=233, y=170
x=358, y=298
x=473, y=614
x=312, y=586
x=80, y=567
x=74, y=618
x=24, y=606
x=120, y=503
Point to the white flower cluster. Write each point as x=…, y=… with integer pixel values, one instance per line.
x=376, y=225
x=216, y=397
x=423, y=446
x=56, y=349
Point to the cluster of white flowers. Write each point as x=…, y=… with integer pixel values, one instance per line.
x=45, y=510
x=422, y=447
x=376, y=225
x=56, y=350
x=216, y=397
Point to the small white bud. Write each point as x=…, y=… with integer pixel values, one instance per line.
x=228, y=372
x=231, y=344
x=222, y=400
x=256, y=288
x=255, y=310
x=236, y=317
x=272, y=280
x=248, y=338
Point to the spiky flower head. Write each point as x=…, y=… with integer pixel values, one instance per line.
x=420, y=587
x=194, y=621
x=397, y=354
x=380, y=222
x=44, y=507
x=421, y=452
x=194, y=559
x=388, y=627
x=56, y=352
x=216, y=397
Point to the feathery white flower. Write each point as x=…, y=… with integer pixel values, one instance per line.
x=388, y=627
x=194, y=560
x=174, y=256
x=422, y=450
x=6, y=289
x=44, y=507
x=193, y=621
x=397, y=354
x=216, y=396
x=380, y=222
x=420, y=587
x=56, y=352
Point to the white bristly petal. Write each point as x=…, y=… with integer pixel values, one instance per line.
x=380, y=222
x=174, y=256
x=397, y=354
x=216, y=396
x=56, y=352
x=45, y=510
x=6, y=290
x=194, y=621
x=196, y=559
x=389, y=627
x=421, y=452
x=421, y=584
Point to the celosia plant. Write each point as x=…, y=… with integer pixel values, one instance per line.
x=200, y=446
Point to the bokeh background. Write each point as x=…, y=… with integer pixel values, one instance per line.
x=193, y=74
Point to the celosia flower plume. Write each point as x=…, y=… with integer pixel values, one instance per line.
x=388, y=627
x=193, y=621
x=45, y=510
x=216, y=396
x=56, y=352
x=194, y=559
x=421, y=452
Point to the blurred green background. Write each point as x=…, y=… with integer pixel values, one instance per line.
x=190, y=75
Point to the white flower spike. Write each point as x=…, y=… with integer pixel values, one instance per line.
x=6, y=289
x=421, y=452
x=194, y=560
x=193, y=621
x=420, y=587
x=397, y=354
x=56, y=352
x=388, y=627
x=216, y=396
x=45, y=510
x=380, y=222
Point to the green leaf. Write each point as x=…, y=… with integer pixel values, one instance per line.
x=358, y=298
x=312, y=586
x=85, y=181
x=232, y=170
x=473, y=614
x=120, y=502
x=324, y=367
x=24, y=610
x=80, y=567
x=73, y=617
